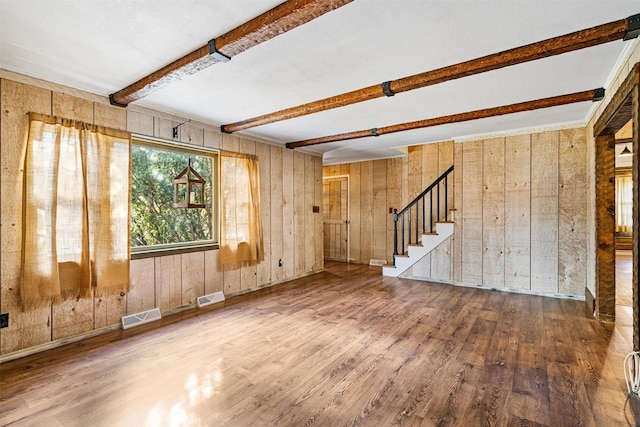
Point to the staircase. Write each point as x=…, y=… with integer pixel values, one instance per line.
x=415, y=252
x=421, y=226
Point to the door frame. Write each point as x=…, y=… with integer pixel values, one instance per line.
x=348, y=221
x=624, y=105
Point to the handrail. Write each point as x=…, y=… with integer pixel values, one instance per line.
x=413, y=224
x=429, y=188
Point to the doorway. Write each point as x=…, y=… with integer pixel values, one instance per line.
x=624, y=216
x=335, y=199
x=623, y=107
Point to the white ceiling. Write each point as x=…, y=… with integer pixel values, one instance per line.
x=104, y=45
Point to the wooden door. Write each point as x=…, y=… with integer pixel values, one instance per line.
x=335, y=196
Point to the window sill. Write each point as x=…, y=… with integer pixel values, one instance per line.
x=153, y=253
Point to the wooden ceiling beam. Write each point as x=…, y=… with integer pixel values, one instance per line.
x=617, y=30
x=282, y=18
x=589, y=95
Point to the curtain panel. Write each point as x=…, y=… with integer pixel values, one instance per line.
x=75, y=236
x=624, y=203
x=241, y=240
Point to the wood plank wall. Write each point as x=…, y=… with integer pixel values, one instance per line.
x=291, y=183
x=521, y=210
x=379, y=185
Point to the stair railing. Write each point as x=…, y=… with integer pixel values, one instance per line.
x=415, y=214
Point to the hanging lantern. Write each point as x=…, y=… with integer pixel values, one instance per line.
x=188, y=189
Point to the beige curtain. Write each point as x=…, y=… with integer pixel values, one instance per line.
x=241, y=241
x=624, y=203
x=75, y=211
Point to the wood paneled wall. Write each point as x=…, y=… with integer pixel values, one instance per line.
x=521, y=210
x=290, y=183
x=377, y=186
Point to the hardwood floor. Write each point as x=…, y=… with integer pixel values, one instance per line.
x=343, y=347
x=624, y=273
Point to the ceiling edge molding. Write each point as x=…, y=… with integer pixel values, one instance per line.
x=137, y=108
x=520, y=131
x=619, y=69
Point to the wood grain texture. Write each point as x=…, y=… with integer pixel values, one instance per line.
x=76, y=315
x=299, y=212
x=33, y=327
x=537, y=104
x=309, y=220
x=445, y=161
x=168, y=282
x=493, y=212
x=193, y=272
x=366, y=212
x=317, y=216
x=394, y=199
x=139, y=123
x=458, y=213
x=277, y=271
x=287, y=217
x=110, y=116
x=109, y=309
x=379, y=351
x=620, y=108
x=472, y=212
x=212, y=277
x=355, y=209
x=142, y=295
x=163, y=128
x=280, y=19
x=248, y=274
x=441, y=261
x=212, y=139
x=442, y=256
x=414, y=188
x=517, y=233
x=572, y=222
x=380, y=215
x=542, y=49
x=264, y=269
x=636, y=210
x=544, y=212
x=168, y=279
x=605, y=224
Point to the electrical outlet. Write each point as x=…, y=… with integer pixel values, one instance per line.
x=4, y=320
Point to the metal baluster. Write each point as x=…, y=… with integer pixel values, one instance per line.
x=403, y=233
x=424, y=226
x=395, y=235
x=417, y=223
x=431, y=211
x=446, y=197
x=438, y=203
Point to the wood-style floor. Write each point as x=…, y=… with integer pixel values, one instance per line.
x=624, y=273
x=343, y=347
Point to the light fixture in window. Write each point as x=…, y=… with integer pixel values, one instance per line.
x=626, y=151
x=188, y=189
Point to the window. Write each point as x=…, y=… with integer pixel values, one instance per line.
x=155, y=224
x=624, y=202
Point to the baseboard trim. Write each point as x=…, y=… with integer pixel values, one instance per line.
x=57, y=343
x=590, y=301
x=493, y=288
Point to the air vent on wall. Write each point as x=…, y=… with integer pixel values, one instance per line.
x=141, y=318
x=210, y=299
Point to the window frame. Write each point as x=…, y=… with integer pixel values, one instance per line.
x=139, y=252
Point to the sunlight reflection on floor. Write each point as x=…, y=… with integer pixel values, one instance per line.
x=197, y=389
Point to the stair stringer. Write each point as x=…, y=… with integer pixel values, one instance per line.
x=443, y=230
